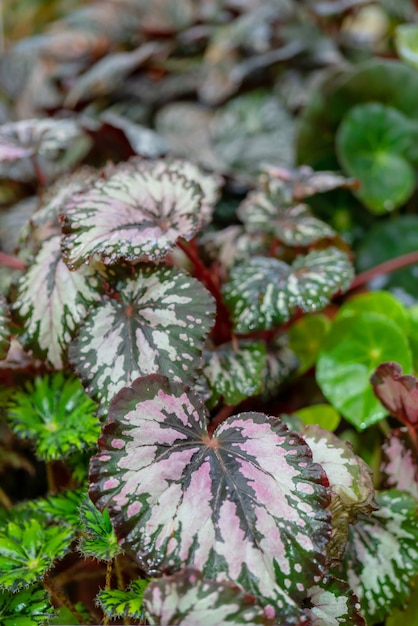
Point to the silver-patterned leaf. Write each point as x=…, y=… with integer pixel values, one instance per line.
x=247, y=505
x=293, y=225
x=157, y=323
x=187, y=598
x=56, y=144
x=262, y=292
x=281, y=363
x=350, y=481
x=234, y=372
x=231, y=245
x=382, y=555
x=333, y=604
x=52, y=301
x=4, y=327
x=137, y=211
x=400, y=464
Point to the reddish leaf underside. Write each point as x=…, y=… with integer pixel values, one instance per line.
x=246, y=506
x=398, y=393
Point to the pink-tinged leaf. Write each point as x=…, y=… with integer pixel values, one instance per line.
x=293, y=225
x=400, y=463
x=4, y=327
x=187, y=598
x=137, y=211
x=247, y=505
x=157, y=324
x=398, y=393
x=55, y=144
x=51, y=301
x=234, y=372
x=333, y=604
x=231, y=245
x=382, y=555
x=303, y=182
x=263, y=292
x=350, y=481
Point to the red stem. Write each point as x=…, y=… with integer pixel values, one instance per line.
x=11, y=261
x=384, y=268
x=223, y=326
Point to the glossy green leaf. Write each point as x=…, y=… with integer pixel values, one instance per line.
x=158, y=323
x=61, y=507
x=382, y=557
x=351, y=351
x=373, y=143
x=27, y=607
x=333, y=604
x=324, y=415
x=124, y=602
x=98, y=539
x=28, y=550
x=350, y=481
x=188, y=598
x=137, y=211
x=388, y=240
x=56, y=414
x=4, y=327
x=306, y=336
x=246, y=505
x=409, y=615
x=51, y=302
x=234, y=372
x=406, y=43
x=262, y=292
x=380, y=302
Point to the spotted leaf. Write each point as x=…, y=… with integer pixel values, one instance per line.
x=400, y=464
x=398, y=393
x=247, y=505
x=293, y=225
x=51, y=301
x=157, y=323
x=234, y=373
x=262, y=293
x=333, y=604
x=188, y=598
x=382, y=556
x=137, y=211
x=4, y=327
x=350, y=482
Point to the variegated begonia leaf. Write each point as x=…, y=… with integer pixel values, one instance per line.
x=247, y=505
x=158, y=323
x=400, y=463
x=382, y=555
x=398, y=393
x=293, y=225
x=332, y=603
x=4, y=327
x=56, y=144
x=124, y=602
x=234, y=372
x=231, y=245
x=281, y=363
x=350, y=481
x=187, y=598
x=51, y=301
x=262, y=292
x=27, y=607
x=98, y=537
x=137, y=211
x=28, y=550
x=56, y=414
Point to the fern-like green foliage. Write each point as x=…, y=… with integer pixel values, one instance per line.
x=124, y=602
x=56, y=414
x=99, y=539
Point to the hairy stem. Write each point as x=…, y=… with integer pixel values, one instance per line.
x=60, y=597
x=52, y=488
x=5, y=500
x=384, y=268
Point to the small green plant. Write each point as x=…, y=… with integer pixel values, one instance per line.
x=216, y=419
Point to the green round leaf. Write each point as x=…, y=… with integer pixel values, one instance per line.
x=28, y=550
x=305, y=338
x=352, y=350
x=372, y=143
x=380, y=302
x=246, y=505
x=158, y=323
x=324, y=415
x=56, y=414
